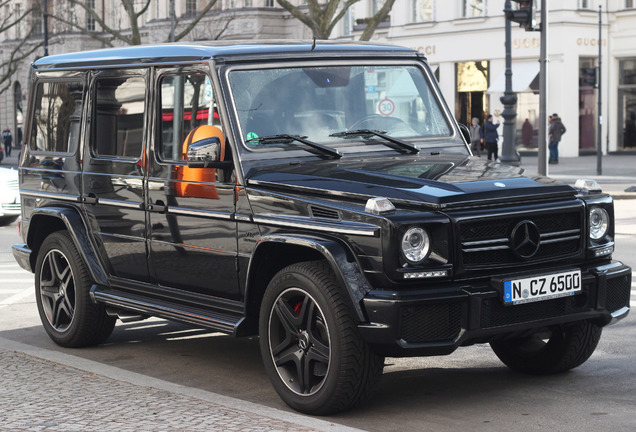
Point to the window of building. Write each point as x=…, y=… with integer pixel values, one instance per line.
x=120, y=104
x=271, y=3
x=191, y=7
x=18, y=12
x=630, y=4
x=585, y=4
x=187, y=102
x=627, y=104
x=56, y=119
x=90, y=19
x=347, y=21
x=474, y=8
x=36, y=18
x=421, y=11
x=248, y=3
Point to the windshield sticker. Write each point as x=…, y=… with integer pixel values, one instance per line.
x=252, y=136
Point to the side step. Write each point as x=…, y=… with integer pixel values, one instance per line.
x=223, y=322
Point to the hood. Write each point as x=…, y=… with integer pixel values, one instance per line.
x=436, y=180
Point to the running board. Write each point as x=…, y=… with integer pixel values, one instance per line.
x=225, y=323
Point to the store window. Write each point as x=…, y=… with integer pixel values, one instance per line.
x=474, y=8
x=627, y=104
x=421, y=11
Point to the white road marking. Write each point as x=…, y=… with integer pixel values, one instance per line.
x=17, y=297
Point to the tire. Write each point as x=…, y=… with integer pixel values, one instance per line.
x=7, y=220
x=313, y=354
x=62, y=292
x=558, y=350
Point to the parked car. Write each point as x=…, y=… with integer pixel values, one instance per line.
x=9, y=196
x=319, y=195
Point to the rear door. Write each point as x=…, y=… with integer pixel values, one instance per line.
x=191, y=227
x=112, y=178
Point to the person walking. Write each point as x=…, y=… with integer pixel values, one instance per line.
x=491, y=136
x=527, y=131
x=476, y=137
x=555, y=131
x=7, y=140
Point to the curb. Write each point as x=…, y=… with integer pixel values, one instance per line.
x=140, y=380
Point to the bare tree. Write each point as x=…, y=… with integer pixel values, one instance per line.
x=321, y=18
x=130, y=34
x=18, y=50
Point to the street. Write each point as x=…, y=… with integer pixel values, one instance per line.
x=469, y=389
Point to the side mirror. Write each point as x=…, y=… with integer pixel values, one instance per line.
x=465, y=133
x=205, y=153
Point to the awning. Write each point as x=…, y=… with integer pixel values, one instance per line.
x=523, y=73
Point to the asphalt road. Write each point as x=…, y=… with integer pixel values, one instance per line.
x=468, y=390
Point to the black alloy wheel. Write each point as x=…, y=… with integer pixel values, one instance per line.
x=299, y=341
x=62, y=293
x=312, y=351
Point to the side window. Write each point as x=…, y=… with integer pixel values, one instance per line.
x=57, y=115
x=118, y=126
x=187, y=101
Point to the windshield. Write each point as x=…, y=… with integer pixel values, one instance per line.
x=319, y=103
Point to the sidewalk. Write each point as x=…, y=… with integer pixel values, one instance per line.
x=45, y=390
x=619, y=172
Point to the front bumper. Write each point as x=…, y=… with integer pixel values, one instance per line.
x=436, y=321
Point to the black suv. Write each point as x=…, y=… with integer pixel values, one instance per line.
x=321, y=196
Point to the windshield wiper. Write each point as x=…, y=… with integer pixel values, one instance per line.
x=286, y=139
x=366, y=133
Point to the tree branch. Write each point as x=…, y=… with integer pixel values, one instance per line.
x=195, y=21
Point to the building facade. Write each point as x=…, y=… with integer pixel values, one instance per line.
x=462, y=39
x=464, y=43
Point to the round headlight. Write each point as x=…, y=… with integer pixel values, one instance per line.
x=599, y=222
x=415, y=245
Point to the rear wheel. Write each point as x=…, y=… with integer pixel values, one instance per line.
x=557, y=349
x=62, y=285
x=312, y=352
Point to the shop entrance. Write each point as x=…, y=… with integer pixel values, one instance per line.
x=472, y=83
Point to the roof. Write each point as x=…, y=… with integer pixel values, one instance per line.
x=203, y=51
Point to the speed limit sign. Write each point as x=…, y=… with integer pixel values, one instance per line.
x=386, y=107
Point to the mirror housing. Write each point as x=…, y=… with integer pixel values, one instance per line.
x=206, y=153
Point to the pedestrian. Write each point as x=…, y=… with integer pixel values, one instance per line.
x=526, y=133
x=490, y=137
x=476, y=137
x=555, y=131
x=7, y=140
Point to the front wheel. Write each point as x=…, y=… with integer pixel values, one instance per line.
x=312, y=352
x=555, y=350
x=62, y=286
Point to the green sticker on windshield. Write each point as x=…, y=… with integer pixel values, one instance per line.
x=252, y=136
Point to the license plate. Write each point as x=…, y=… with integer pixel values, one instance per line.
x=538, y=288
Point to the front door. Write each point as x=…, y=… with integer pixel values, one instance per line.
x=191, y=227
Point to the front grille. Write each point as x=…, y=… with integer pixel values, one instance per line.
x=431, y=323
x=618, y=293
x=485, y=242
x=495, y=314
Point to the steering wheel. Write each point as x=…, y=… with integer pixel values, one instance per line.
x=380, y=122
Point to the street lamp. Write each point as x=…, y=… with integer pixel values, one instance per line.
x=524, y=16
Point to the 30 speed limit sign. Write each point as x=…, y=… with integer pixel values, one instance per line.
x=386, y=107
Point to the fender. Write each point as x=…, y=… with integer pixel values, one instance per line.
x=347, y=271
x=76, y=226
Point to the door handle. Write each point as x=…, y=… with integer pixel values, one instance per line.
x=158, y=207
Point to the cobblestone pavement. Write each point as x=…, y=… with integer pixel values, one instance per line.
x=42, y=395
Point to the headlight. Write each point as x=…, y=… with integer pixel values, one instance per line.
x=599, y=222
x=415, y=245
